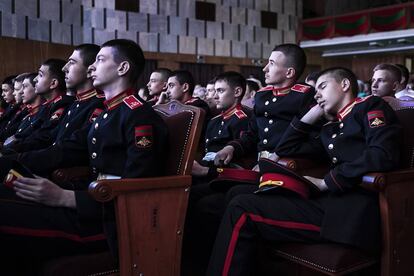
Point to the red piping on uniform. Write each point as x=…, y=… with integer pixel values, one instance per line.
x=49, y=234
x=257, y=218
x=334, y=180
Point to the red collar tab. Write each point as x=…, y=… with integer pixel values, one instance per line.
x=283, y=91
x=301, y=88
x=54, y=100
x=236, y=110
x=86, y=95
x=348, y=108
x=191, y=100
x=33, y=109
x=117, y=100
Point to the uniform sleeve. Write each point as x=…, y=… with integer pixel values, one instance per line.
x=248, y=141
x=299, y=141
x=382, y=133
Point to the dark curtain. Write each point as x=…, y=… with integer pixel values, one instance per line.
x=202, y=73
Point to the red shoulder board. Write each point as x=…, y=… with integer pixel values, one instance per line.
x=360, y=100
x=240, y=114
x=56, y=115
x=267, y=88
x=301, y=88
x=132, y=102
x=95, y=114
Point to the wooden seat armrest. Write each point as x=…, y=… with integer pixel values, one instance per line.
x=106, y=190
x=70, y=174
x=379, y=181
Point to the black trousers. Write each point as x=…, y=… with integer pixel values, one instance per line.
x=250, y=217
x=35, y=232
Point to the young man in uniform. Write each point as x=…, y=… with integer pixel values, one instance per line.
x=360, y=137
x=275, y=105
x=385, y=80
x=82, y=112
x=39, y=219
x=7, y=88
x=158, y=84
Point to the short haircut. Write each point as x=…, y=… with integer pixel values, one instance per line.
x=31, y=77
x=9, y=80
x=295, y=57
x=404, y=74
x=128, y=50
x=212, y=81
x=340, y=73
x=252, y=85
x=55, y=70
x=233, y=79
x=391, y=68
x=184, y=76
x=164, y=72
x=21, y=77
x=312, y=76
x=87, y=53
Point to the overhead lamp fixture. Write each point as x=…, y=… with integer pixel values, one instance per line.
x=366, y=51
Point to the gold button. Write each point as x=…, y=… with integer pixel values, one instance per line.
x=266, y=114
x=334, y=160
x=265, y=141
x=77, y=105
x=266, y=102
x=274, y=100
x=334, y=135
x=96, y=126
x=105, y=115
x=222, y=123
x=20, y=130
x=341, y=125
x=93, y=155
x=69, y=113
x=207, y=140
x=266, y=129
x=270, y=121
x=67, y=124
x=219, y=132
x=94, y=140
x=330, y=146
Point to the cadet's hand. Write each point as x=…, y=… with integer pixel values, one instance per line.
x=320, y=183
x=313, y=115
x=199, y=170
x=44, y=191
x=224, y=156
x=163, y=98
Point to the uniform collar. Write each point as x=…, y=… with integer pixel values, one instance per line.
x=230, y=112
x=193, y=99
x=33, y=109
x=117, y=100
x=278, y=91
x=86, y=95
x=348, y=108
x=54, y=100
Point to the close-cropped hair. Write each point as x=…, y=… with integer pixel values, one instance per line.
x=252, y=85
x=212, y=81
x=9, y=80
x=391, y=68
x=87, y=53
x=128, y=50
x=55, y=70
x=31, y=77
x=295, y=57
x=164, y=72
x=404, y=74
x=233, y=79
x=341, y=73
x=184, y=76
x=21, y=77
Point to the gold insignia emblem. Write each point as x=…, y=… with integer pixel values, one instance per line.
x=377, y=122
x=144, y=142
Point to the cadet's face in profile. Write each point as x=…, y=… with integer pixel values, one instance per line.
x=329, y=94
x=210, y=91
x=43, y=80
x=75, y=71
x=104, y=71
x=175, y=90
x=18, y=91
x=275, y=69
x=224, y=96
x=7, y=93
x=383, y=84
x=28, y=92
x=156, y=85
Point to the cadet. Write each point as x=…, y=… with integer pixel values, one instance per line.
x=385, y=80
x=127, y=140
x=7, y=88
x=360, y=137
x=275, y=105
x=158, y=83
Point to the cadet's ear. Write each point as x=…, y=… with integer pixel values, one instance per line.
x=291, y=73
x=165, y=86
x=185, y=87
x=238, y=91
x=123, y=68
x=395, y=86
x=53, y=84
x=346, y=85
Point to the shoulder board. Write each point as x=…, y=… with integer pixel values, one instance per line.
x=191, y=100
x=132, y=102
x=100, y=95
x=56, y=115
x=57, y=99
x=267, y=88
x=302, y=88
x=361, y=100
x=95, y=114
x=240, y=114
